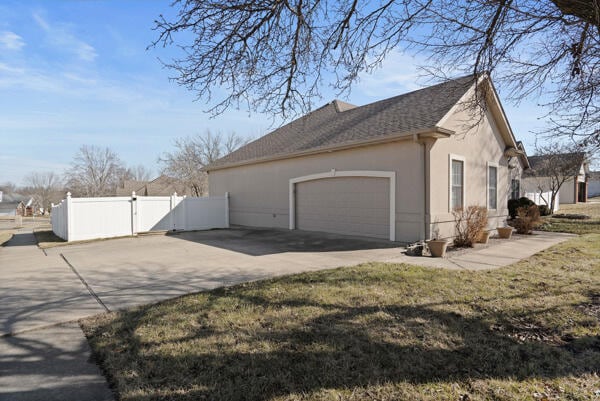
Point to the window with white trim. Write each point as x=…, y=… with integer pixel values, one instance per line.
x=492, y=187
x=457, y=183
x=515, y=188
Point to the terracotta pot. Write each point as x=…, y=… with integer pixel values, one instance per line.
x=505, y=232
x=484, y=237
x=437, y=247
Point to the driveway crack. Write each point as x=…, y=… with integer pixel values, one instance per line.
x=87, y=286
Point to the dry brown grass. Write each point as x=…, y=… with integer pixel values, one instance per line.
x=5, y=236
x=575, y=226
x=530, y=331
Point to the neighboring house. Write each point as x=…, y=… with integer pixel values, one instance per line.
x=593, y=184
x=539, y=177
x=393, y=169
x=160, y=186
x=13, y=204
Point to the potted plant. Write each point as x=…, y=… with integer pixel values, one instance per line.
x=437, y=247
x=484, y=236
x=505, y=232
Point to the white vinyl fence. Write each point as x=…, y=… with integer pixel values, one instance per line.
x=543, y=199
x=76, y=219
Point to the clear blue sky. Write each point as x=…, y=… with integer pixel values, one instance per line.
x=78, y=72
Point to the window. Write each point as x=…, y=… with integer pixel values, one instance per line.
x=515, y=189
x=457, y=184
x=492, y=187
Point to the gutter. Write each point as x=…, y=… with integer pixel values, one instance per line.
x=428, y=133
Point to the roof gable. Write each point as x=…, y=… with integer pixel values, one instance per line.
x=338, y=123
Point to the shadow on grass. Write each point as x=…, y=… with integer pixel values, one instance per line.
x=339, y=347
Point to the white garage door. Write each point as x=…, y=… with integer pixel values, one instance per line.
x=345, y=205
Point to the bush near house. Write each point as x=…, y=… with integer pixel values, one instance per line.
x=544, y=210
x=469, y=224
x=528, y=218
x=514, y=204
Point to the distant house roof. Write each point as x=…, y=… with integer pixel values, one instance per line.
x=8, y=197
x=338, y=123
x=539, y=164
x=6, y=207
x=160, y=186
x=594, y=175
x=129, y=186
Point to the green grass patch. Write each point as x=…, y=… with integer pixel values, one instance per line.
x=530, y=331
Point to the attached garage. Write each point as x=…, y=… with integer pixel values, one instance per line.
x=346, y=202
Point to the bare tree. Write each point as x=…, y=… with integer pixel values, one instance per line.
x=45, y=188
x=274, y=55
x=553, y=165
x=8, y=187
x=193, y=153
x=94, y=171
x=139, y=173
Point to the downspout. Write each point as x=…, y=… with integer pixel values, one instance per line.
x=426, y=207
x=424, y=227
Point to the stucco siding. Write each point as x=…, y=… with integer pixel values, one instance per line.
x=477, y=146
x=259, y=193
x=567, y=192
x=593, y=188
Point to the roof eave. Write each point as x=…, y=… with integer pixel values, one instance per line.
x=433, y=133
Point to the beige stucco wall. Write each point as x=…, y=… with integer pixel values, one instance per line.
x=567, y=192
x=259, y=193
x=478, y=145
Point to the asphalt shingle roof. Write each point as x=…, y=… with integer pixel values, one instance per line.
x=538, y=164
x=339, y=123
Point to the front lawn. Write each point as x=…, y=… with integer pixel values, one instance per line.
x=575, y=226
x=530, y=331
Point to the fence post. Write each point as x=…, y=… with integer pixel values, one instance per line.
x=134, y=217
x=69, y=217
x=171, y=210
x=226, y=209
x=185, y=213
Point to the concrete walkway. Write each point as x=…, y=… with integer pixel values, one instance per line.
x=41, y=356
x=43, y=353
x=498, y=255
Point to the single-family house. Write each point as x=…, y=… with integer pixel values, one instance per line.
x=394, y=169
x=570, y=169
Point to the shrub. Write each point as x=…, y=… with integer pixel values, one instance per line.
x=544, y=210
x=469, y=224
x=528, y=218
x=525, y=201
x=513, y=204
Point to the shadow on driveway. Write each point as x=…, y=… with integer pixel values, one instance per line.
x=267, y=241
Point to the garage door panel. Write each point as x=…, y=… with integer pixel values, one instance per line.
x=344, y=205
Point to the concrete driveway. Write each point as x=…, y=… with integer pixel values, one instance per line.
x=133, y=271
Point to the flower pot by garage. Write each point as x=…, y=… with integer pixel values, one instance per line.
x=437, y=247
x=505, y=232
x=484, y=237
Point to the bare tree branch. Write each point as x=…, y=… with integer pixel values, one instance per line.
x=274, y=56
